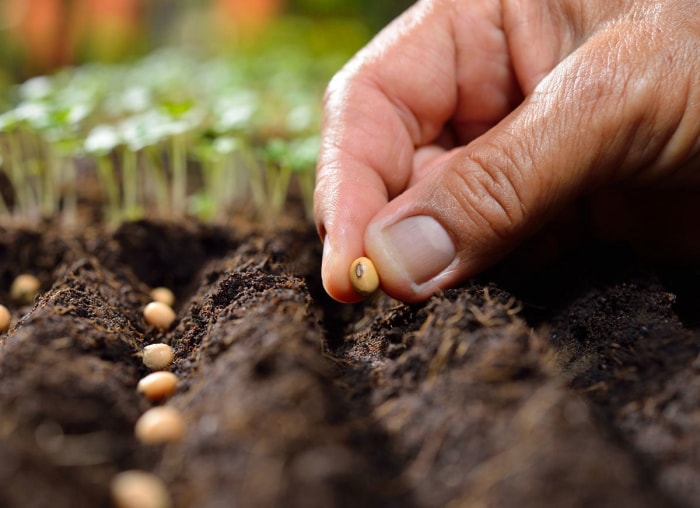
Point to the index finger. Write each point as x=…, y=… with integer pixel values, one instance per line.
x=396, y=95
x=376, y=111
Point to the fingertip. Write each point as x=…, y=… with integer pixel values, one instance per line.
x=345, y=202
x=334, y=273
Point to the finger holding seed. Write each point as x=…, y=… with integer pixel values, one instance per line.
x=363, y=277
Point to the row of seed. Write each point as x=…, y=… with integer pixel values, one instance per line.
x=159, y=313
x=160, y=424
x=163, y=424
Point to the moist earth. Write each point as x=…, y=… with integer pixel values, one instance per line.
x=578, y=385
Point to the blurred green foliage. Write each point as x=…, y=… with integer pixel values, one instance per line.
x=39, y=36
x=375, y=14
x=168, y=135
x=184, y=116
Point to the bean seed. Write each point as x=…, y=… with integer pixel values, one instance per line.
x=158, y=385
x=139, y=489
x=158, y=356
x=4, y=319
x=163, y=295
x=363, y=276
x=24, y=288
x=159, y=314
x=161, y=424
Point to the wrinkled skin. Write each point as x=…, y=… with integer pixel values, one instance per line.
x=499, y=124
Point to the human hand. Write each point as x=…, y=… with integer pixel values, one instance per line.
x=465, y=128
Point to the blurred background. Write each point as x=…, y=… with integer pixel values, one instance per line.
x=175, y=107
x=40, y=36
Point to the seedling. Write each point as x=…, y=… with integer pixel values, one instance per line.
x=139, y=489
x=223, y=181
x=185, y=137
x=101, y=142
x=363, y=276
x=159, y=314
x=158, y=385
x=302, y=159
x=158, y=356
x=24, y=289
x=158, y=425
x=5, y=318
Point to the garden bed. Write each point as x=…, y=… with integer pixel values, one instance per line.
x=575, y=387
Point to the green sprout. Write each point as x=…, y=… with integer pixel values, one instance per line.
x=185, y=137
x=100, y=143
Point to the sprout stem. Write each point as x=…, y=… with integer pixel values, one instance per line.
x=256, y=179
x=229, y=186
x=131, y=208
x=110, y=184
x=5, y=205
x=279, y=185
x=22, y=185
x=50, y=178
x=179, y=182
x=158, y=178
x=69, y=178
x=307, y=182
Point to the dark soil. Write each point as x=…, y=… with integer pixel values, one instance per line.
x=579, y=386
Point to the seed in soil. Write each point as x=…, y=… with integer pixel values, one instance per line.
x=139, y=489
x=363, y=276
x=158, y=385
x=163, y=295
x=159, y=425
x=158, y=356
x=24, y=288
x=4, y=319
x=159, y=314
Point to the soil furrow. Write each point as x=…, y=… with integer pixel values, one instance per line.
x=473, y=400
x=67, y=397
x=293, y=400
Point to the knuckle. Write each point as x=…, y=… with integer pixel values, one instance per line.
x=487, y=190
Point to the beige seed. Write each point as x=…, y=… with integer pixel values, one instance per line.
x=363, y=276
x=161, y=424
x=158, y=385
x=139, y=489
x=159, y=314
x=158, y=356
x=24, y=288
x=163, y=295
x=4, y=319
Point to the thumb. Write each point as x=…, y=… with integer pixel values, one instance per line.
x=582, y=127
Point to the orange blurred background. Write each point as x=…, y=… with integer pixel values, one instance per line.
x=38, y=36
x=47, y=34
